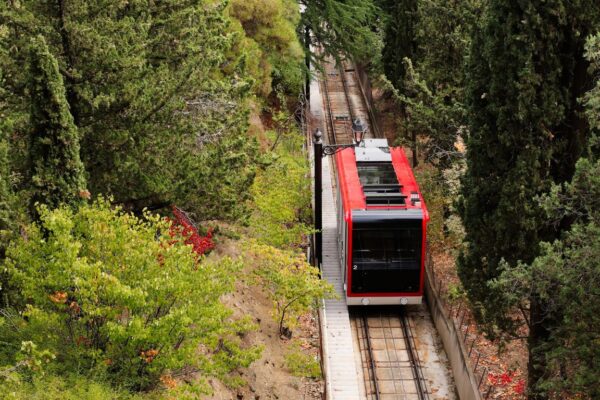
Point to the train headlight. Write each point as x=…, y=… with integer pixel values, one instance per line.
x=415, y=199
x=365, y=302
x=403, y=301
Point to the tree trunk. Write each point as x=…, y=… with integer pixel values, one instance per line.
x=538, y=335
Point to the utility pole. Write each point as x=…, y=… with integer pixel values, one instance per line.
x=318, y=157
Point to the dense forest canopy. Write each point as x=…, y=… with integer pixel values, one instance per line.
x=526, y=132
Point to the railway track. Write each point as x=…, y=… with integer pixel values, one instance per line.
x=343, y=101
x=390, y=365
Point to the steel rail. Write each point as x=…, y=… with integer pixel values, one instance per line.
x=342, y=71
x=371, y=362
x=413, y=357
x=370, y=112
x=332, y=138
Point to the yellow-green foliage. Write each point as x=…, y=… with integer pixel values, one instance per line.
x=301, y=363
x=271, y=24
x=291, y=283
x=250, y=57
x=281, y=194
x=439, y=189
x=108, y=293
x=52, y=387
x=431, y=185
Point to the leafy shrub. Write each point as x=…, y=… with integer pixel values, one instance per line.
x=282, y=197
x=291, y=283
x=440, y=191
x=301, y=363
x=109, y=293
x=456, y=292
x=183, y=226
x=52, y=387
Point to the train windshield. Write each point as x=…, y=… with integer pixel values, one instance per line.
x=386, y=256
x=376, y=173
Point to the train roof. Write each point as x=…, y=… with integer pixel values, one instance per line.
x=374, y=176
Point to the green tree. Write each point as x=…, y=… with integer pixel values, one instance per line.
x=433, y=115
x=424, y=58
x=343, y=28
x=400, y=40
x=566, y=277
x=566, y=273
x=443, y=35
x=146, y=83
x=8, y=205
x=12, y=209
x=57, y=173
x=525, y=74
x=6, y=196
x=272, y=25
x=111, y=294
x=592, y=98
x=281, y=193
x=217, y=168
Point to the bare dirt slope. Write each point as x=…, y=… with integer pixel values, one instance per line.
x=268, y=377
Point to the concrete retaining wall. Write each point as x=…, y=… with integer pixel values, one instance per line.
x=466, y=384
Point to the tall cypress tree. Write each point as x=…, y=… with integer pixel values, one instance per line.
x=525, y=74
x=6, y=195
x=399, y=39
x=5, y=192
x=57, y=173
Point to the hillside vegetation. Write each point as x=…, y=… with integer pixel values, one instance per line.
x=111, y=114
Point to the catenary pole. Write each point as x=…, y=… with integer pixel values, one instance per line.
x=318, y=157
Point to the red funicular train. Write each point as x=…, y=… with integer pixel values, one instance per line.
x=382, y=221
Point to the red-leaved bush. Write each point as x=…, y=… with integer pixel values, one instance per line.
x=506, y=378
x=182, y=225
x=519, y=387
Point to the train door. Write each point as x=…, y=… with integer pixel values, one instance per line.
x=345, y=258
